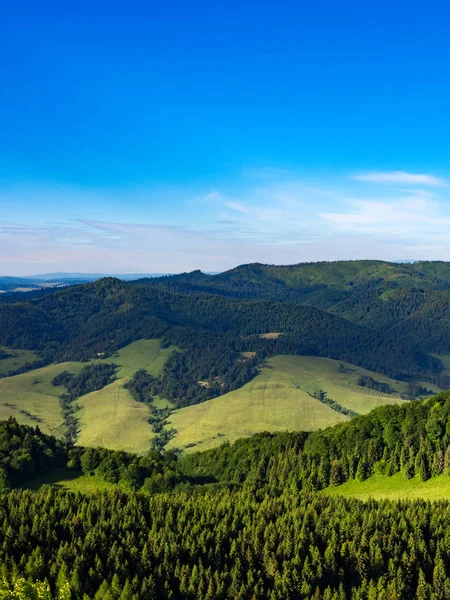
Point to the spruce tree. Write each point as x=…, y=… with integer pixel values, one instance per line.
x=447, y=461
x=424, y=471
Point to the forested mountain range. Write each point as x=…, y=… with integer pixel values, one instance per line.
x=391, y=318
x=376, y=294
x=259, y=518
x=310, y=281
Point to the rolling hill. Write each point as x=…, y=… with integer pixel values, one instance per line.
x=108, y=417
x=321, y=283
x=218, y=364
x=280, y=398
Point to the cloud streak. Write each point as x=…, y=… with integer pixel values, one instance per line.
x=401, y=177
x=421, y=224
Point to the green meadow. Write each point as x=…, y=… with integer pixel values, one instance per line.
x=339, y=379
x=32, y=400
x=109, y=417
x=396, y=487
x=72, y=481
x=279, y=399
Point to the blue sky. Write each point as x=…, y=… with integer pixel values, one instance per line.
x=169, y=136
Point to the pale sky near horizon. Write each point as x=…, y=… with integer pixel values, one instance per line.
x=170, y=136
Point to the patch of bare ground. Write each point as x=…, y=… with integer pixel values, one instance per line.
x=272, y=335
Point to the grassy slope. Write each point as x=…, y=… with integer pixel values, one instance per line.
x=143, y=354
x=311, y=373
x=110, y=417
x=396, y=487
x=32, y=392
x=73, y=481
x=277, y=399
x=17, y=360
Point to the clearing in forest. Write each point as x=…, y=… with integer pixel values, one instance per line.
x=396, y=487
x=32, y=400
x=110, y=417
x=15, y=359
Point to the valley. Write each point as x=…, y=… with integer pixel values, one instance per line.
x=225, y=358
x=280, y=398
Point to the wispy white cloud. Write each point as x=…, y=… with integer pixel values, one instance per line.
x=399, y=177
x=408, y=218
x=237, y=206
x=278, y=218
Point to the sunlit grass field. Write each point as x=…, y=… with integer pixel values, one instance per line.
x=381, y=487
x=32, y=400
x=109, y=417
x=279, y=399
x=339, y=379
x=73, y=481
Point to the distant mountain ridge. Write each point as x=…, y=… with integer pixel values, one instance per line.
x=344, y=275
x=35, y=282
x=93, y=276
x=28, y=283
x=401, y=300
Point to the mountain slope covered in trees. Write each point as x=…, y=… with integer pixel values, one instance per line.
x=219, y=332
x=375, y=294
x=243, y=521
x=377, y=322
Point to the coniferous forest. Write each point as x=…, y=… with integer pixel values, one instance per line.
x=254, y=519
x=248, y=520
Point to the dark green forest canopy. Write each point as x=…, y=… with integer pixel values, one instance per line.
x=300, y=280
x=227, y=544
x=242, y=521
x=26, y=452
x=91, y=378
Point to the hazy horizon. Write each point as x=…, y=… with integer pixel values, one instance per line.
x=130, y=274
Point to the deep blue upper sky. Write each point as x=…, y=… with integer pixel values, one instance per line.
x=169, y=115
